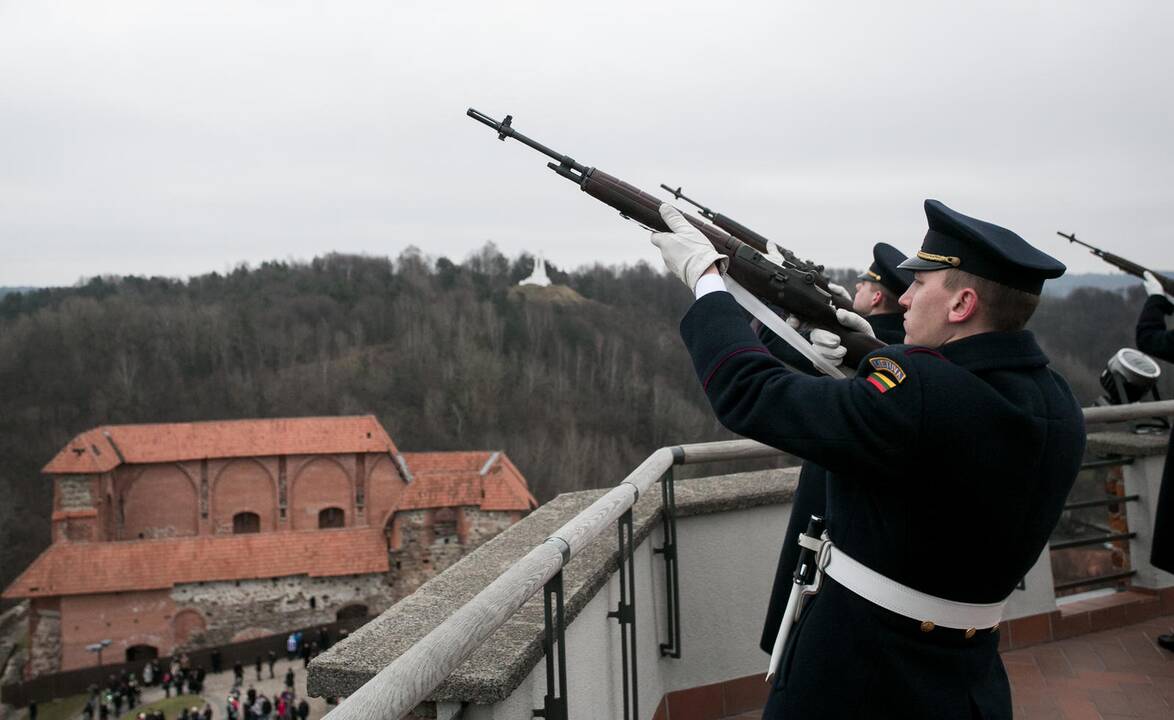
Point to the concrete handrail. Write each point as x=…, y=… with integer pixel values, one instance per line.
x=1122, y=413
x=414, y=675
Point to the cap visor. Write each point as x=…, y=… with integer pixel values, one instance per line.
x=916, y=264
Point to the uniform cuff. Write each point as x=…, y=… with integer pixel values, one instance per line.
x=707, y=284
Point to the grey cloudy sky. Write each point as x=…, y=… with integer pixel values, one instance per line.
x=180, y=138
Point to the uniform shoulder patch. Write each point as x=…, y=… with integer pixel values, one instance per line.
x=886, y=375
x=888, y=365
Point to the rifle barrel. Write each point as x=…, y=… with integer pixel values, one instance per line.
x=505, y=130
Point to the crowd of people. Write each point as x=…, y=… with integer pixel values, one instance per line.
x=123, y=692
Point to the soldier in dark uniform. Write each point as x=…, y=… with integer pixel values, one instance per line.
x=878, y=291
x=949, y=460
x=1154, y=339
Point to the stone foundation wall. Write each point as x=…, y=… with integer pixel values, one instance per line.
x=251, y=608
x=431, y=541
x=44, y=640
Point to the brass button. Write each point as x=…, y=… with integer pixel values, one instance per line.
x=927, y=626
x=970, y=633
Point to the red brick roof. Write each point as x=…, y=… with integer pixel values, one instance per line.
x=104, y=448
x=103, y=567
x=451, y=479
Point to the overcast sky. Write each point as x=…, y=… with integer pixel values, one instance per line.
x=181, y=138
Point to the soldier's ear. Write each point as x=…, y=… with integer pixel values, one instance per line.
x=963, y=305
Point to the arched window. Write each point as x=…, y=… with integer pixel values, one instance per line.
x=351, y=612
x=331, y=517
x=136, y=653
x=246, y=522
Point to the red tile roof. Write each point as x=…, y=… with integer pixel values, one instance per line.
x=450, y=479
x=104, y=448
x=103, y=567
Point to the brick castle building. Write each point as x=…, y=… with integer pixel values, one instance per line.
x=172, y=536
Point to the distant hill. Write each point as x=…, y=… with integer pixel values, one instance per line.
x=5, y=290
x=1113, y=282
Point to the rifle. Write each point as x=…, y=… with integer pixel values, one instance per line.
x=1127, y=265
x=751, y=238
x=794, y=290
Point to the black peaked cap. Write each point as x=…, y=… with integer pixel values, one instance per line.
x=983, y=249
x=886, y=269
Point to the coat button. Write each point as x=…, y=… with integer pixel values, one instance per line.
x=970, y=633
x=927, y=626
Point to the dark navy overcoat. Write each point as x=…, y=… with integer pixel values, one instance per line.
x=947, y=471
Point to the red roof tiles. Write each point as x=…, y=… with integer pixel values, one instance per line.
x=104, y=448
x=103, y=567
x=451, y=479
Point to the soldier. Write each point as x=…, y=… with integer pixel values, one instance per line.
x=1154, y=339
x=878, y=290
x=949, y=460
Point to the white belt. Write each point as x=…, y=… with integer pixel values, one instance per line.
x=895, y=597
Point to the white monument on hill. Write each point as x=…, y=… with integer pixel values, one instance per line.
x=538, y=277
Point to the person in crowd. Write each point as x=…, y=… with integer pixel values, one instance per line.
x=303, y=709
x=1153, y=338
x=257, y=665
x=207, y=711
x=289, y=677
x=216, y=659
x=238, y=673
x=949, y=461
x=323, y=638
x=291, y=647
x=305, y=654
x=272, y=659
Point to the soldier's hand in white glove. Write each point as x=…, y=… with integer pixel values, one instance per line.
x=1153, y=286
x=686, y=252
x=840, y=290
x=852, y=321
x=827, y=343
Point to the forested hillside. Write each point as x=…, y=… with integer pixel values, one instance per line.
x=577, y=387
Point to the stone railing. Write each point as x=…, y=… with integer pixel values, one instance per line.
x=469, y=643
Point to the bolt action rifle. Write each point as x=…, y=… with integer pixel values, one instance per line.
x=790, y=288
x=1127, y=265
x=751, y=238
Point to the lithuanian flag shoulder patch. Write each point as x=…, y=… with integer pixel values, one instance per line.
x=887, y=374
x=882, y=382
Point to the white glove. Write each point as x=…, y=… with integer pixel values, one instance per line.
x=827, y=343
x=840, y=290
x=852, y=321
x=686, y=252
x=1153, y=286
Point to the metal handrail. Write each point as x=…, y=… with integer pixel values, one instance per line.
x=408, y=681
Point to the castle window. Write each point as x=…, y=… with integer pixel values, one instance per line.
x=246, y=522
x=331, y=517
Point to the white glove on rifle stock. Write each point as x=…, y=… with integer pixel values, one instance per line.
x=1153, y=286
x=841, y=291
x=686, y=252
x=827, y=343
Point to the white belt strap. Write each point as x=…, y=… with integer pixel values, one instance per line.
x=903, y=600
